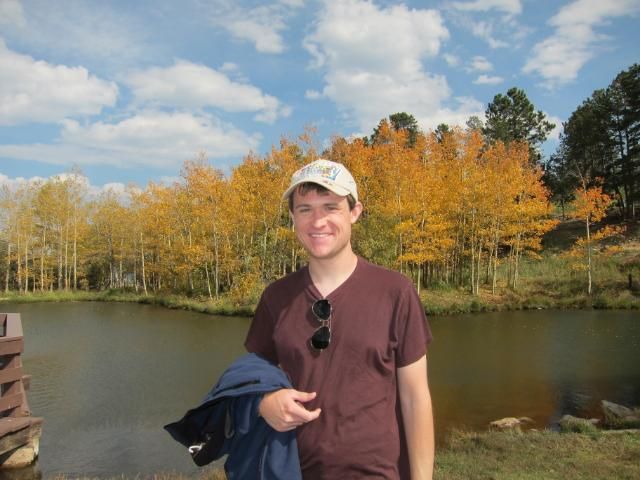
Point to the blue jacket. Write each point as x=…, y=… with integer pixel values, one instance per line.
x=227, y=423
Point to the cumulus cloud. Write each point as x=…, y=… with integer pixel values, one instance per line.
x=191, y=85
x=373, y=72
x=11, y=13
x=150, y=138
x=92, y=191
x=488, y=80
x=37, y=91
x=559, y=57
x=17, y=182
x=262, y=25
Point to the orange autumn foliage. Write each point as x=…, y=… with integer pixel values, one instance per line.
x=446, y=208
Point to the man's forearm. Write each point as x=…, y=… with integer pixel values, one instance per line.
x=418, y=426
x=417, y=414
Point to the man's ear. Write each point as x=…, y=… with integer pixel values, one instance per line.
x=356, y=211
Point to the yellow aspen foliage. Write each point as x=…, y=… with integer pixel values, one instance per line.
x=590, y=206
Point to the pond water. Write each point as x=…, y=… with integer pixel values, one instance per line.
x=107, y=376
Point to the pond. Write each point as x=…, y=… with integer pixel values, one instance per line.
x=107, y=376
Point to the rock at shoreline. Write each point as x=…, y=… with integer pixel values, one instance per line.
x=510, y=423
x=619, y=416
x=569, y=423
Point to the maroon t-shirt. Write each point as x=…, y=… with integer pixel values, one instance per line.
x=377, y=325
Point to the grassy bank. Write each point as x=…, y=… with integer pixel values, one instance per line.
x=551, y=281
x=535, y=455
x=544, y=284
x=223, y=306
x=539, y=455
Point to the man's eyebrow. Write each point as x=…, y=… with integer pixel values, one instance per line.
x=330, y=202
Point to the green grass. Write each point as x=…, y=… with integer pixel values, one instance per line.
x=535, y=455
x=539, y=455
x=549, y=282
x=206, y=473
x=222, y=306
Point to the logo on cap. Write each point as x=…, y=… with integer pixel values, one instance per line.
x=330, y=172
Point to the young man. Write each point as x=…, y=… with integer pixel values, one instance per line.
x=352, y=337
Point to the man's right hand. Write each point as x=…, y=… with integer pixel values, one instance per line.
x=283, y=409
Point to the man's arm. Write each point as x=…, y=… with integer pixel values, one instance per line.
x=417, y=414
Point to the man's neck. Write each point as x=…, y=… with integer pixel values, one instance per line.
x=328, y=274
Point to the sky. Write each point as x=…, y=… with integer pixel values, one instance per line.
x=127, y=91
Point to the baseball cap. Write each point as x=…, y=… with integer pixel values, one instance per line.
x=331, y=175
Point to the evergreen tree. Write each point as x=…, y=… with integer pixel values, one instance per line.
x=601, y=144
x=401, y=121
x=512, y=117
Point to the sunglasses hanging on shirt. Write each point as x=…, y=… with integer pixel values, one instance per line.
x=322, y=336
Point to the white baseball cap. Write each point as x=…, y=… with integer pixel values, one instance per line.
x=331, y=175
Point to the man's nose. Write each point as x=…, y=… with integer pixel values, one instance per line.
x=318, y=217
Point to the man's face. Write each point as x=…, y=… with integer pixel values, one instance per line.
x=323, y=222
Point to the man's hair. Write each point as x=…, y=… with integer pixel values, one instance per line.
x=307, y=187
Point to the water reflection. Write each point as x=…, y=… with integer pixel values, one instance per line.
x=107, y=377
x=541, y=364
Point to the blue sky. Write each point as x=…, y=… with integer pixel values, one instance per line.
x=127, y=91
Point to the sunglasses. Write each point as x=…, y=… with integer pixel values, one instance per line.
x=322, y=336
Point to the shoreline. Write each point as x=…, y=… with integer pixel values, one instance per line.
x=437, y=302
x=506, y=455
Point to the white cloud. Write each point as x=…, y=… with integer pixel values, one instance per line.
x=395, y=38
x=592, y=12
x=17, y=182
x=190, y=85
x=293, y=3
x=488, y=80
x=94, y=191
x=464, y=108
x=262, y=25
x=511, y=7
x=150, y=138
x=452, y=60
x=557, y=130
x=480, y=64
x=484, y=30
x=376, y=71
x=264, y=34
x=11, y=13
x=494, y=21
x=229, y=67
x=312, y=94
x=559, y=57
x=117, y=188
x=37, y=91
